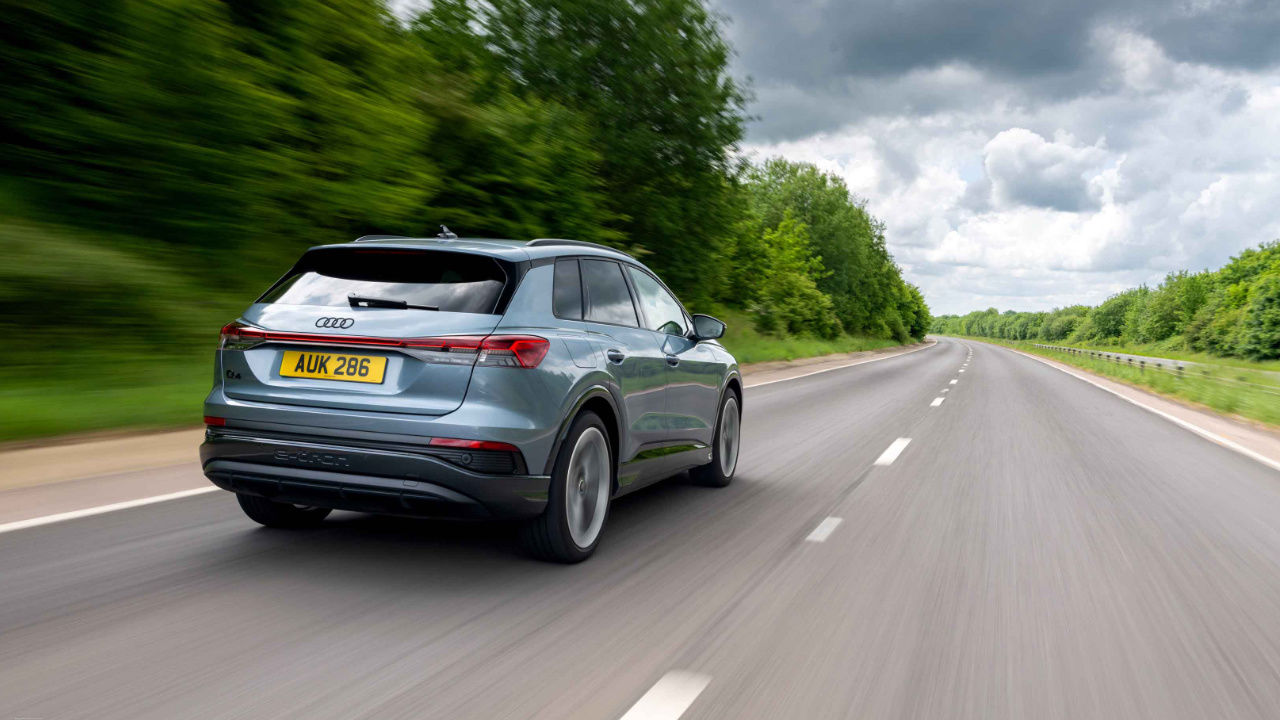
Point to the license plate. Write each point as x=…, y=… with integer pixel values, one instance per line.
x=333, y=366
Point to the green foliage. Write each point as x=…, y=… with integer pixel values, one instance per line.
x=851, y=270
x=1260, y=324
x=1232, y=312
x=650, y=79
x=788, y=298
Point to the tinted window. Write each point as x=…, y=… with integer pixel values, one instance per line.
x=608, y=299
x=661, y=311
x=452, y=282
x=566, y=297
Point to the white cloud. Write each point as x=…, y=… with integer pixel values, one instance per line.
x=1008, y=198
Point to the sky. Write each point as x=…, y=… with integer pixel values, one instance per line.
x=1027, y=154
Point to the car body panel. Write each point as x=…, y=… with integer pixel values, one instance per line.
x=665, y=413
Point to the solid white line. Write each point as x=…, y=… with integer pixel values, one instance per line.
x=1207, y=434
x=74, y=514
x=824, y=529
x=839, y=367
x=669, y=697
x=953, y=382
x=936, y=402
x=893, y=451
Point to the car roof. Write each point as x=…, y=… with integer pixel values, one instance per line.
x=513, y=250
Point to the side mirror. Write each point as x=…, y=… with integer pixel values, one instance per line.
x=706, y=327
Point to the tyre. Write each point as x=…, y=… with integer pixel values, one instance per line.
x=578, y=502
x=280, y=515
x=725, y=447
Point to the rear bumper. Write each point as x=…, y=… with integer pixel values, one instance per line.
x=385, y=478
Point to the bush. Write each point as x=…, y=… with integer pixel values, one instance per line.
x=1260, y=324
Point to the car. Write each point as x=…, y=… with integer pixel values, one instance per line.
x=456, y=377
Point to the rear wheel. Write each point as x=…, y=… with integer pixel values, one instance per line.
x=280, y=515
x=725, y=447
x=578, y=503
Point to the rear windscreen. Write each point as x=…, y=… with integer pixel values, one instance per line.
x=448, y=281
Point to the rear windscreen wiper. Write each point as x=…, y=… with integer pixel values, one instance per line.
x=392, y=303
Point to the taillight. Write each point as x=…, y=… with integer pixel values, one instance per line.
x=238, y=336
x=516, y=351
x=524, y=351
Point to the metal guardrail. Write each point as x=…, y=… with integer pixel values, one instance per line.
x=1177, y=368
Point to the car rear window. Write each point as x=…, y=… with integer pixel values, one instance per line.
x=450, y=281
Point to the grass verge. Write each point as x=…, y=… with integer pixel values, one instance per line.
x=159, y=393
x=749, y=345
x=1225, y=388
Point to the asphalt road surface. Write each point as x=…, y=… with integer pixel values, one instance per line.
x=1038, y=549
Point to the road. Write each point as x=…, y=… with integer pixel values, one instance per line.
x=1039, y=549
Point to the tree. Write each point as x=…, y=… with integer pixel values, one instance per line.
x=650, y=77
x=1260, y=324
x=789, y=299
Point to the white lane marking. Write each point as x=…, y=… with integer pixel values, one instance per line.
x=893, y=451
x=1207, y=434
x=824, y=529
x=953, y=382
x=936, y=402
x=74, y=514
x=839, y=367
x=961, y=369
x=669, y=697
x=946, y=390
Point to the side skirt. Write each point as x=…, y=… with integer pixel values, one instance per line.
x=660, y=461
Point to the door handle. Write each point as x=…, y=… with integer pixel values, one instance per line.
x=672, y=360
x=615, y=356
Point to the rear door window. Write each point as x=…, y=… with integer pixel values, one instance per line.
x=447, y=281
x=566, y=295
x=608, y=298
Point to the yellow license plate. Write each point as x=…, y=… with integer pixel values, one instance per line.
x=333, y=366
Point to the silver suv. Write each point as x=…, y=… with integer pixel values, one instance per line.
x=468, y=378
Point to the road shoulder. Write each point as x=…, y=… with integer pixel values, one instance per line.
x=1250, y=439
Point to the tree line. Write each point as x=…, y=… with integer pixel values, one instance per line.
x=1233, y=312
x=210, y=140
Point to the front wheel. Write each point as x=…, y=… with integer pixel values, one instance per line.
x=578, y=503
x=725, y=447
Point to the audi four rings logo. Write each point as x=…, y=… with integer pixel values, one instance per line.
x=335, y=322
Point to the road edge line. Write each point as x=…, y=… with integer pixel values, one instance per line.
x=1184, y=424
x=102, y=509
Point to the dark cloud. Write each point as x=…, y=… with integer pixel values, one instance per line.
x=816, y=64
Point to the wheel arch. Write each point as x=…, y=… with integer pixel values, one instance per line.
x=599, y=400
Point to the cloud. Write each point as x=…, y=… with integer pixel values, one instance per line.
x=1031, y=155
x=1025, y=169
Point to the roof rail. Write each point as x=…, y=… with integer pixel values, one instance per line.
x=543, y=242
x=365, y=238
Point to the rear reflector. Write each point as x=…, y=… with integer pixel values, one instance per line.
x=214, y=421
x=473, y=444
x=524, y=351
